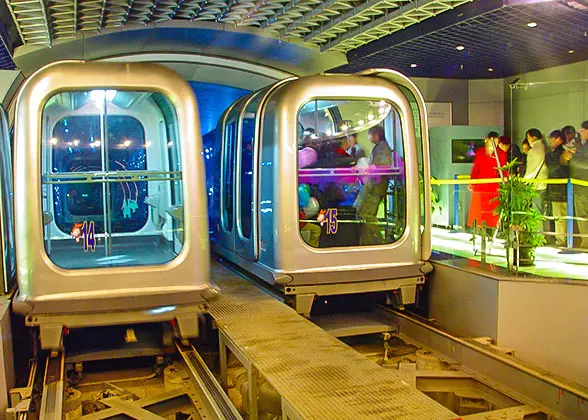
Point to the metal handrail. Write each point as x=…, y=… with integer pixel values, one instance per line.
x=110, y=176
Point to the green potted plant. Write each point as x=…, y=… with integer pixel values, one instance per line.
x=517, y=214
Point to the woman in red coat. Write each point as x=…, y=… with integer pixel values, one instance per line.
x=486, y=166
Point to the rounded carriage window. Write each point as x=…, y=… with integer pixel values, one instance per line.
x=111, y=179
x=351, y=173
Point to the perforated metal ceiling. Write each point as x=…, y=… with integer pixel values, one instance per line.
x=374, y=33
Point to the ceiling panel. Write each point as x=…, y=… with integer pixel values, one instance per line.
x=496, y=43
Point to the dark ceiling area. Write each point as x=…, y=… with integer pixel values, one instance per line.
x=499, y=39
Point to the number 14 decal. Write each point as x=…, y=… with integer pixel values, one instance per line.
x=332, y=222
x=89, y=239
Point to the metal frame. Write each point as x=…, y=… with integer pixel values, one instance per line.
x=51, y=326
x=225, y=343
x=498, y=370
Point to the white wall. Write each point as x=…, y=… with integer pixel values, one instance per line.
x=486, y=102
x=546, y=324
x=554, y=98
x=447, y=90
x=473, y=102
x=7, y=77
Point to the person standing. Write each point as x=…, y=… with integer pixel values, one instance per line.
x=525, y=147
x=536, y=168
x=557, y=192
x=576, y=156
x=374, y=190
x=354, y=149
x=486, y=165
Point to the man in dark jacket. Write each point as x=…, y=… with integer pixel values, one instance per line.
x=557, y=192
x=576, y=156
x=374, y=190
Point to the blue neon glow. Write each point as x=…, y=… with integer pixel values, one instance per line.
x=161, y=310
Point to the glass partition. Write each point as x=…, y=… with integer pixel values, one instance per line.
x=351, y=173
x=539, y=207
x=111, y=179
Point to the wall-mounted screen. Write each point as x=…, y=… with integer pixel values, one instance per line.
x=464, y=151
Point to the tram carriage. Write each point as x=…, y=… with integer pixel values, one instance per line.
x=337, y=224
x=110, y=206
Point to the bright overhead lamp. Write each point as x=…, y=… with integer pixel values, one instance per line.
x=413, y=65
x=532, y=24
x=490, y=69
x=460, y=48
x=571, y=51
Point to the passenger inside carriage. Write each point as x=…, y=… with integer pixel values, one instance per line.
x=360, y=200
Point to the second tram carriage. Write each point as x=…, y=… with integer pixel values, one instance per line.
x=320, y=184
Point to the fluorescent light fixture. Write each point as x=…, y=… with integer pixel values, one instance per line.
x=460, y=48
x=532, y=24
x=413, y=65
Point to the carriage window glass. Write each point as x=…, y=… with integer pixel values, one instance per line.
x=246, y=173
x=107, y=190
x=228, y=168
x=6, y=209
x=351, y=173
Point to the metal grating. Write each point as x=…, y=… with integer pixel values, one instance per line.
x=499, y=40
x=321, y=377
x=340, y=25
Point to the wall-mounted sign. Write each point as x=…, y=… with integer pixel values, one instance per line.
x=439, y=114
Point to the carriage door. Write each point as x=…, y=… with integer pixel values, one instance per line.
x=227, y=175
x=246, y=179
x=8, y=265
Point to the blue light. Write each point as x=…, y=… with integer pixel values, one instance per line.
x=161, y=310
x=266, y=210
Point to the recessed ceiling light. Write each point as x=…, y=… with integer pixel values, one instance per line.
x=571, y=51
x=532, y=24
x=460, y=48
x=413, y=65
x=490, y=69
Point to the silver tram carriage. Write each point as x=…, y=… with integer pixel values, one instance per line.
x=110, y=210
x=333, y=223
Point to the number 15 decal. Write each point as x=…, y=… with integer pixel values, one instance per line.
x=89, y=239
x=332, y=222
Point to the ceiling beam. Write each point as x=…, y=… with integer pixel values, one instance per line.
x=390, y=22
x=48, y=31
x=452, y=17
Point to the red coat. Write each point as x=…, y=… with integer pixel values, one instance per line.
x=482, y=205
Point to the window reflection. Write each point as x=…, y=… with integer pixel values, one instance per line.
x=111, y=179
x=351, y=173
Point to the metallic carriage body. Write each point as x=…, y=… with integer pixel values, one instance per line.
x=275, y=250
x=53, y=296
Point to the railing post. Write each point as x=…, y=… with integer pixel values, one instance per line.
x=456, y=202
x=570, y=209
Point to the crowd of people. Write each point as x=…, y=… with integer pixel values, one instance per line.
x=563, y=155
